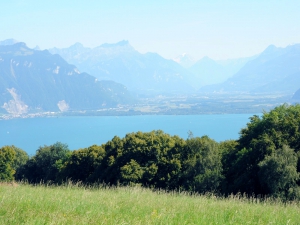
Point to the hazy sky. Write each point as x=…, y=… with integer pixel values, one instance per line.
x=218, y=29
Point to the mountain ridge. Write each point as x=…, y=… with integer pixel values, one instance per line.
x=147, y=73
x=33, y=80
x=269, y=70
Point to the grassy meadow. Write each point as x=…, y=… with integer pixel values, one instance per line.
x=71, y=204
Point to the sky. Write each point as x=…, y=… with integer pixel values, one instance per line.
x=218, y=29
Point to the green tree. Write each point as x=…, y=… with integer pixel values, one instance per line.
x=202, y=169
x=278, y=172
x=228, y=151
x=82, y=163
x=108, y=171
x=262, y=137
x=154, y=158
x=7, y=155
x=46, y=164
x=131, y=172
x=20, y=159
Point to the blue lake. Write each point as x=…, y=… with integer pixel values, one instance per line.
x=80, y=132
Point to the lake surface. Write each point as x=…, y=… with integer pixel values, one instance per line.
x=80, y=132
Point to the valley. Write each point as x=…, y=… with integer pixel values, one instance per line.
x=177, y=105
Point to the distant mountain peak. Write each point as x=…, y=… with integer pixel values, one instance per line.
x=272, y=52
x=207, y=61
x=114, y=48
x=19, y=48
x=270, y=49
x=206, y=58
x=118, y=44
x=10, y=41
x=21, y=45
x=184, y=60
x=76, y=45
x=275, y=70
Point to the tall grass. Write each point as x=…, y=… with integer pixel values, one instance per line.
x=75, y=204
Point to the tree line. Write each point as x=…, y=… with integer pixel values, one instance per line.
x=264, y=160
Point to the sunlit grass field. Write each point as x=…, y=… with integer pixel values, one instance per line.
x=72, y=204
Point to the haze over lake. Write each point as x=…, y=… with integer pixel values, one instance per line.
x=81, y=132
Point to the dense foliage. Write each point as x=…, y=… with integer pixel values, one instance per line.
x=268, y=144
x=7, y=156
x=263, y=161
x=46, y=164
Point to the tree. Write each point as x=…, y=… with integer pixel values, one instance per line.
x=281, y=126
x=202, y=168
x=278, y=172
x=131, y=172
x=20, y=159
x=47, y=163
x=7, y=155
x=228, y=150
x=82, y=163
x=153, y=158
x=262, y=137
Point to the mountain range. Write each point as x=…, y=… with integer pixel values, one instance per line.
x=207, y=71
x=33, y=81
x=149, y=73
x=141, y=73
x=275, y=70
x=50, y=80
